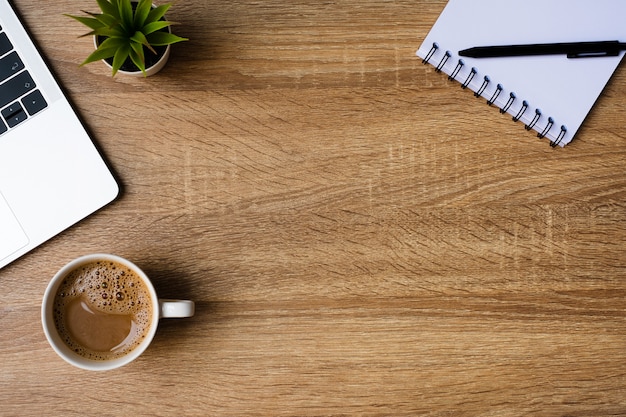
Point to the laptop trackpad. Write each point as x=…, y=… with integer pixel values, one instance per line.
x=12, y=236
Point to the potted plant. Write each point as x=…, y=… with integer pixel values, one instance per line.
x=131, y=36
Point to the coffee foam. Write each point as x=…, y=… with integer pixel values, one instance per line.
x=110, y=288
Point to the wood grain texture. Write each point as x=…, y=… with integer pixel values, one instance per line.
x=361, y=236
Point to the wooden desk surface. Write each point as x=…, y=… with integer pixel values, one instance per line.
x=361, y=236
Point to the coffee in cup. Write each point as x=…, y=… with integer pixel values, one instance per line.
x=101, y=312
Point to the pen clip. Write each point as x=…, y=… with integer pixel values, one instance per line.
x=594, y=49
x=573, y=55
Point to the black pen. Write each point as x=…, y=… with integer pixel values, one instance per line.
x=571, y=49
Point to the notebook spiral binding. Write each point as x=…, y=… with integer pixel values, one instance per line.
x=537, y=117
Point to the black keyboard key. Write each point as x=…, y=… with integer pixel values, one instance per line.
x=14, y=114
x=10, y=65
x=5, y=44
x=15, y=88
x=3, y=128
x=34, y=102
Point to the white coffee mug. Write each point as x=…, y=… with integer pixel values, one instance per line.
x=160, y=308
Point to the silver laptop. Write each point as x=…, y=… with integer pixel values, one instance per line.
x=51, y=175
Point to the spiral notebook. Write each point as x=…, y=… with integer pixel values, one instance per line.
x=550, y=94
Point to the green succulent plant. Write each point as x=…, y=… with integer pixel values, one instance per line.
x=129, y=31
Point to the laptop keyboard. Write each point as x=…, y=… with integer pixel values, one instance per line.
x=19, y=96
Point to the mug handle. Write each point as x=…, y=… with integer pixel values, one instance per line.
x=176, y=308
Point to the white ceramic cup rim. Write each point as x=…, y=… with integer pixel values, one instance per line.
x=55, y=340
